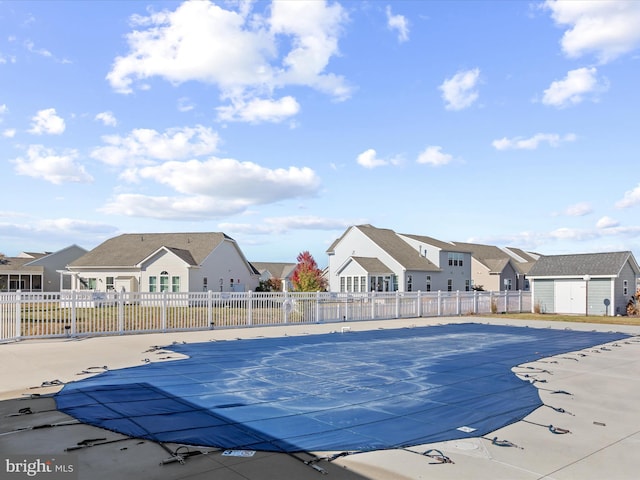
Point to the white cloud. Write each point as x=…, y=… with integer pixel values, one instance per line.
x=45, y=163
x=433, y=155
x=30, y=46
x=226, y=178
x=369, y=159
x=242, y=56
x=64, y=230
x=279, y=225
x=606, y=28
x=459, y=91
x=531, y=143
x=144, y=146
x=213, y=188
x=631, y=198
x=47, y=121
x=107, y=118
x=607, y=222
x=9, y=133
x=398, y=23
x=579, y=209
x=572, y=89
x=185, y=105
x=259, y=110
x=3, y=109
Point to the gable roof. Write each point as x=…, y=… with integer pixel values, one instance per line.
x=576, y=265
x=398, y=249
x=129, y=249
x=372, y=265
x=447, y=246
x=276, y=269
x=14, y=264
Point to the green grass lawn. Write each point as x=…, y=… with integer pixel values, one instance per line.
x=552, y=317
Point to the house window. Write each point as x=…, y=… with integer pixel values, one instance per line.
x=153, y=284
x=467, y=285
x=110, y=284
x=507, y=284
x=348, y=284
x=409, y=283
x=449, y=285
x=87, y=283
x=363, y=284
x=164, y=281
x=175, y=284
x=342, y=281
x=625, y=287
x=356, y=285
x=455, y=259
x=205, y=281
x=428, y=286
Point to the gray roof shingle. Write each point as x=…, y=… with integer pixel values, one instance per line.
x=398, y=249
x=599, y=264
x=130, y=249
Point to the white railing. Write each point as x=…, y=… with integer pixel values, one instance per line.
x=81, y=313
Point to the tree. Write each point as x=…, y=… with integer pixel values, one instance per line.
x=307, y=277
x=271, y=285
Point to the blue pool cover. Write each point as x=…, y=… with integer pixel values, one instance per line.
x=355, y=391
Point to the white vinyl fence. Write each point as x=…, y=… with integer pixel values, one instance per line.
x=80, y=313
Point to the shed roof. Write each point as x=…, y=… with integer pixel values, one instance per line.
x=600, y=264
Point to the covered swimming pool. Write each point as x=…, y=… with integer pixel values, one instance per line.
x=356, y=391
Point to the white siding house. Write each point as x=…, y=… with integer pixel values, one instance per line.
x=588, y=283
x=366, y=258
x=156, y=262
x=36, y=272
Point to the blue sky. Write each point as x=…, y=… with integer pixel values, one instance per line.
x=511, y=123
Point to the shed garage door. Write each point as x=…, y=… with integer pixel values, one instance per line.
x=570, y=296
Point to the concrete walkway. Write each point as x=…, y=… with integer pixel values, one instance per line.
x=599, y=411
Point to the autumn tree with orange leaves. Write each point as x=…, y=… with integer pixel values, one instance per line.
x=307, y=277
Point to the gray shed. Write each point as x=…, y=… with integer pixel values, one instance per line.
x=586, y=283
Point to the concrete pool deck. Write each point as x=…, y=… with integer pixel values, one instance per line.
x=600, y=410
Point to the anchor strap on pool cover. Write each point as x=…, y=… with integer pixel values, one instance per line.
x=333, y=392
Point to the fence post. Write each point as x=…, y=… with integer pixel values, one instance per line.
x=249, y=308
x=18, y=315
x=74, y=312
x=475, y=302
x=318, y=319
x=458, y=308
x=210, y=309
x=419, y=309
x=506, y=301
x=439, y=303
x=397, y=304
x=373, y=305
x=121, y=312
x=163, y=315
x=519, y=300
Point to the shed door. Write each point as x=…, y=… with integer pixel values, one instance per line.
x=570, y=297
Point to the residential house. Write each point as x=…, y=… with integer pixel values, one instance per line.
x=157, y=262
x=366, y=258
x=588, y=283
x=278, y=270
x=36, y=272
x=495, y=269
